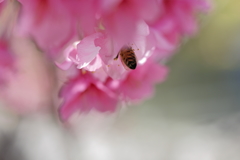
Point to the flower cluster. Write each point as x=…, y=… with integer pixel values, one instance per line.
x=85, y=37
x=87, y=90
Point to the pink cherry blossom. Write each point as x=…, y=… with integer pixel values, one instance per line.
x=115, y=68
x=83, y=37
x=98, y=50
x=125, y=22
x=85, y=92
x=110, y=47
x=83, y=54
x=87, y=50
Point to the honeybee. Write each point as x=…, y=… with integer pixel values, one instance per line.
x=128, y=57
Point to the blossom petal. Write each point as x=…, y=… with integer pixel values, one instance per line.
x=138, y=84
x=95, y=64
x=87, y=50
x=115, y=69
x=84, y=93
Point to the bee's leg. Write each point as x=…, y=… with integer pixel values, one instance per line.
x=116, y=57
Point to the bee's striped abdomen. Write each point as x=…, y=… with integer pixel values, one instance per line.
x=129, y=58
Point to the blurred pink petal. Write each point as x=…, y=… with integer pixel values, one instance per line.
x=87, y=50
x=160, y=45
x=106, y=52
x=64, y=65
x=1, y=5
x=100, y=74
x=121, y=20
x=176, y=20
x=85, y=93
x=179, y=15
x=121, y=26
x=139, y=84
x=115, y=69
x=84, y=12
x=95, y=64
x=48, y=22
x=7, y=60
x=84, y=54
x=70, y=56
x=29, y=89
